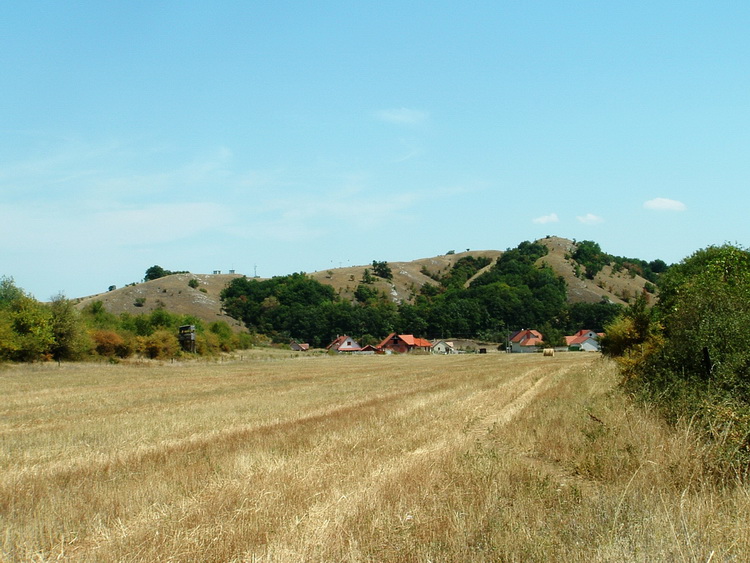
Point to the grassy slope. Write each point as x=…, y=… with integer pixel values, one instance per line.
x=606, y=285
x=174, y=294
x=465, y=458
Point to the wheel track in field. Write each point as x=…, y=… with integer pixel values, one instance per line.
x=524, y=388
x=520, y=389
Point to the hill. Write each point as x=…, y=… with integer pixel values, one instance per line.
x=174, y=294
x=409, y=277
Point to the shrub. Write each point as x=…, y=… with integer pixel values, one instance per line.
x=71, y=339
x=108, y=343
x=224, y=335
x=162, y=344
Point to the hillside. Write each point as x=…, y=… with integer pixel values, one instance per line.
x=408, y=277
x=617, y=287
x=173, y=292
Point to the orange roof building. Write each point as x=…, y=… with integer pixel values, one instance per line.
x=404, y=343
x=526, y=340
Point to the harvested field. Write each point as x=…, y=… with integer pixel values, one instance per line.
x=397, y=458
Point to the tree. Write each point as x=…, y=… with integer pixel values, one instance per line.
x=592, y=316
x=365, y=293
x=26, y=324
x=695, y=362
x=155, y=272
x=367, y=276
x=70, y=338
x=706, y=313
x=382, y=270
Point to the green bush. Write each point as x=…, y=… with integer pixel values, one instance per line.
x=162, y=344
x=697, y=364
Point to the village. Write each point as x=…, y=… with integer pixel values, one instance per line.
x=522, y=341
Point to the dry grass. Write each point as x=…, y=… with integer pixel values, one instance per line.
x=464, y=458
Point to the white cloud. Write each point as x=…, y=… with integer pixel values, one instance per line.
x=544, y=219
x=664, y=204
x=403, y=116
x=590, y=219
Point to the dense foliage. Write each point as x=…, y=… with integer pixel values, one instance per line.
x=34, y=331
x=297, y=306
x=514, y=293
x=463, y=270
x=690, y=354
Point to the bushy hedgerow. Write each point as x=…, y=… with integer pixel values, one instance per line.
x=35, y=331
x=690, y=354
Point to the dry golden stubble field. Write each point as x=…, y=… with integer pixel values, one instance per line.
x=397, y=458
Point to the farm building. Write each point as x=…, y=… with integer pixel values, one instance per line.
x=299, y=346
x=404, y=343
x=444, y=347
x=344, y=343
x=526, y=340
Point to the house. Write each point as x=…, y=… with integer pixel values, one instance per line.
x=403, y=343
x=526, y=340
x=368, y=350
x=299, y=346
x=583, y=340
x=344, y=344
x=444, y=347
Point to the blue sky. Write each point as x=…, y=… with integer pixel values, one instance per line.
x=276, y=137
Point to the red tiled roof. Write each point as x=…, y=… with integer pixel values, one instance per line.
x=408, y=339
x=526, y=334
x=581, y=336
x=339, y=344
x=386, y=339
